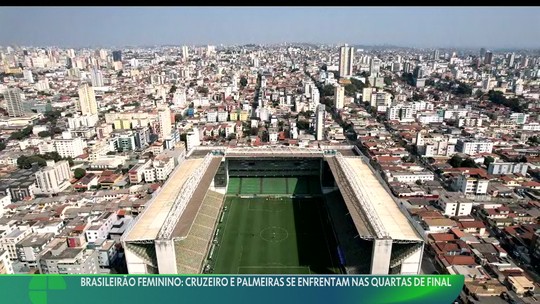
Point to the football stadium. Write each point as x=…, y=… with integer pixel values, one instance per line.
x=273, y=210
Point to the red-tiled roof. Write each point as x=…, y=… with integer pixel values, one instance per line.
x=460, y=260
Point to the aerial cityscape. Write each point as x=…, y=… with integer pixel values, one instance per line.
x=352, y=155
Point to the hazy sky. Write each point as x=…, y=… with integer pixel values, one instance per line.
x=403, y=26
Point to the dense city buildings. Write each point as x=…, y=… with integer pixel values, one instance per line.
x=124, y=160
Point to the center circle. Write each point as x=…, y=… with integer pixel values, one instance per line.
x=274, y=234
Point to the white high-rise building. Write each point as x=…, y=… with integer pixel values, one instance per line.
x=87, y=100
x=164, y=118
x=374, y=67
x=69, y=146
x=339, y=97
x=511, y=60
x=43, y=85
x=346, y=57
x=97, y=78
x=473, y=147
x=103, y=54
x=27, y=74
x=14, y=102
x=81, y=121
x=185, y=52
x=193, y=139
x=53, y=178
x=319, y=122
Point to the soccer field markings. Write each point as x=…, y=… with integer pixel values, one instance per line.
x=224, y=230
x=267, y=209
x=274, y=234
x=265, y=235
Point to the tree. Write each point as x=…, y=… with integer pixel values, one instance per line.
x=57, y=130
x=455, y=161
x=387, y=81
x=302, y=125
x=16, y=136
x=202, y=90
x=243, y=81
x=408, y=78
x=463, y=89
x=478, y=94
x=328, y=90
x=25, y=162
x=231, y=136
x=498, y=97
x=172, y=90
x=2, y=146
x=417, y=97
x=178, y=117
x=350, y=89
x=51, y=156
x=79, y=173
x=44, y=134
x=488, y=160
x=468, y=163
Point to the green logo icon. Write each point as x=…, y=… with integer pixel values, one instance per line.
x=40, y=286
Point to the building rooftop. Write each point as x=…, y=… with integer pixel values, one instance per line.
x=35, y=239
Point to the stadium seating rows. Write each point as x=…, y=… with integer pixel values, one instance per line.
x=191, y=251
x=274, y=185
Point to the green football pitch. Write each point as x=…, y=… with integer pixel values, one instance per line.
x=275, y=236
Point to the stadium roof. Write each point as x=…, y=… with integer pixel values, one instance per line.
x=396, y=225
x=153, y=217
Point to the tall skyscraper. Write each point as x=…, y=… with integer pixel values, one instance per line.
x=346, y=57
x=374, y=67
x=488, y=58
x=27, y=74
x=339, y=97
x=117, y=55
x=103, y=54
x=511, y=59
x=524, y=61
x=482, y=52
x=97, y=78
x=185, y=52
x=165, y=122
x=69, y=62
x=14, y=102
x=436, y=54
x=319, y=122
x=87, y=100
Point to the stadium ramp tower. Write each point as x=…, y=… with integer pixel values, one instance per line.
x=151, y=242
